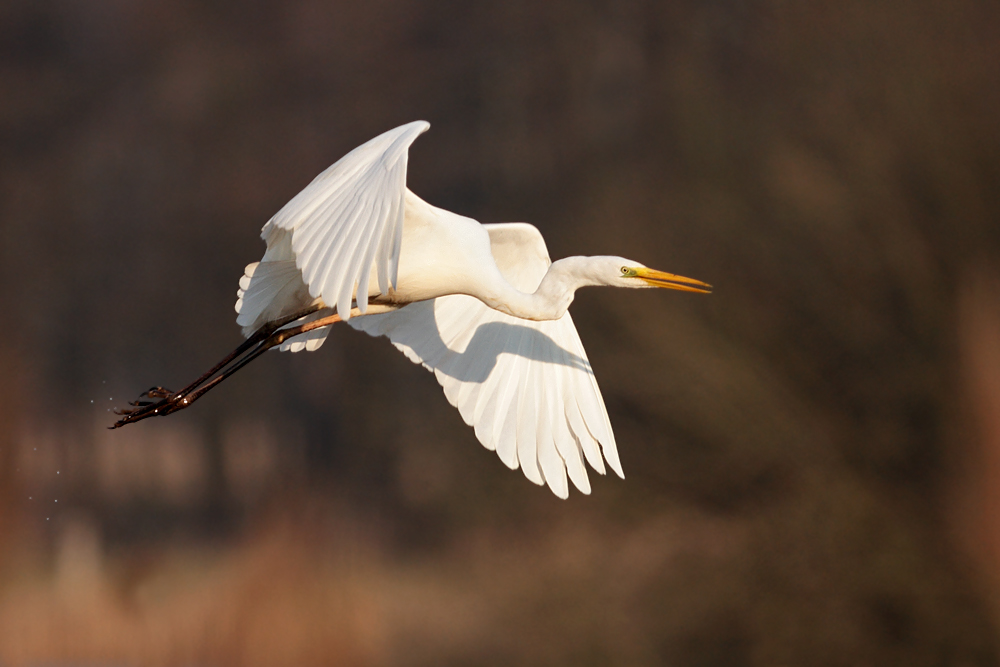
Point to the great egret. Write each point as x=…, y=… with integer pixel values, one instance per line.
x=481, y=306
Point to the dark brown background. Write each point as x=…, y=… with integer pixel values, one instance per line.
x=812, y=453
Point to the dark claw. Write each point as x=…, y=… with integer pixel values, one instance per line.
x=156, y=392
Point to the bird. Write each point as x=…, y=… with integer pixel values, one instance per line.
x=481, y=306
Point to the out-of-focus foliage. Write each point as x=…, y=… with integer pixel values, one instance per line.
x=792, y=443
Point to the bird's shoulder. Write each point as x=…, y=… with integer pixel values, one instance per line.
x=439, y=229
x=520, y=253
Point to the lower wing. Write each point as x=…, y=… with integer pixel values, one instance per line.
x=526, y=387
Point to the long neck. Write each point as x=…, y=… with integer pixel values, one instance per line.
x=554, y=294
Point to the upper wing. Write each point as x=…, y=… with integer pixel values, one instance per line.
x=349, y=218
x=527, y=387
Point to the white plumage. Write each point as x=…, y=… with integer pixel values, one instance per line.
x=481, y=306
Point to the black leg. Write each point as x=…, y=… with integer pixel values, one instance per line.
x=262, y=340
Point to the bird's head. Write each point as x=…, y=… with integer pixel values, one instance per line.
x=565, y=276
x=621, y=272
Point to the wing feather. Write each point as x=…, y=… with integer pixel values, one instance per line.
x=349, y=219
x=273, y=289
x=591, y=448
x=526, y=387
x=507, y=435
x=504, y=434
x=552, y=465
x=527, y=427
x=566, y=444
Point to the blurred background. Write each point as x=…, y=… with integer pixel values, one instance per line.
x=812, y=453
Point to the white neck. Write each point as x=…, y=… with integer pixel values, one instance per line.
x=554, y=294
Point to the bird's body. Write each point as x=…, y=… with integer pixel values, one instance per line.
x=443, y=253
x=481, y=306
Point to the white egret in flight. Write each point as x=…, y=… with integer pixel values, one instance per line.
x=481, y=306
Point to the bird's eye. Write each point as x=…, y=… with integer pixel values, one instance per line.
x=627, y=271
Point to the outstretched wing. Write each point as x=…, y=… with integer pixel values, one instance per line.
x=526, y=387
x=349, y=218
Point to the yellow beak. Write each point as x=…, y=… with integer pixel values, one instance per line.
x=671, y=281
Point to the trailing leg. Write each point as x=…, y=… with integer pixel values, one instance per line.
x=250, y=349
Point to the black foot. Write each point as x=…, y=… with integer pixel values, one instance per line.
x=169, y=402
